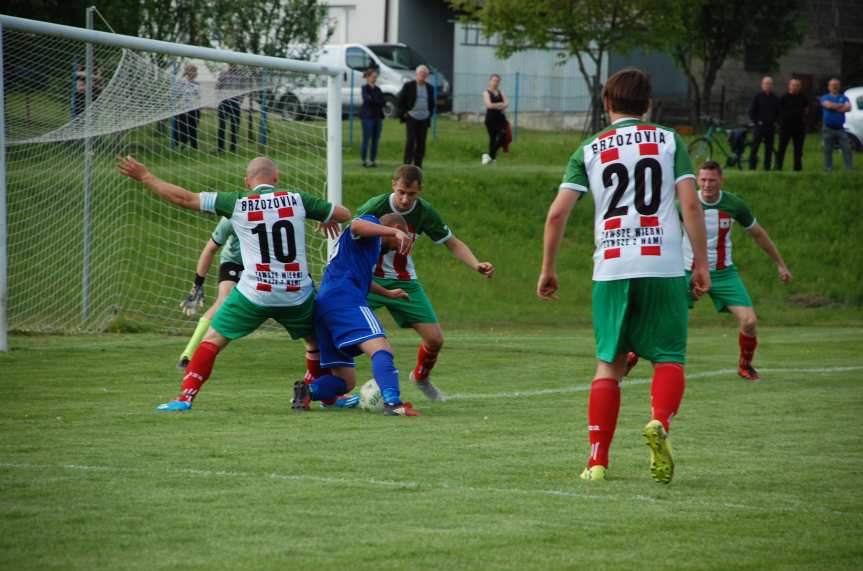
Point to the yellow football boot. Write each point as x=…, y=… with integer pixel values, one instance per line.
x=594, y=473
x=661, y=462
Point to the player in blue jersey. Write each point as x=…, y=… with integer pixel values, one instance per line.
x=345, y=324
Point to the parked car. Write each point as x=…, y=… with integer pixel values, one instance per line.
x=854, y=118
x=395, y=63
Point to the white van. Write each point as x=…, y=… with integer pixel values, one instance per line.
x=396, y=64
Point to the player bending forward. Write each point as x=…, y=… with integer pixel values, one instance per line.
x=397, y=270
x=270, y=226
x=727, y=291
x=633, y=169
x=230, y=268
x=344, y=322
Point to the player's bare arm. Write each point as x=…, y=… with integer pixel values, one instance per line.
x=396, y=293
x=366, y=229
x=463, y=253
x=693, y=221
x=762, y=238
x=178, y=195
x=332, y=227
x=555, y=226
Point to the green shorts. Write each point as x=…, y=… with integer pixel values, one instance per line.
x=237, y=317
x=405, y=312
x=644, y=315
x=726, y=289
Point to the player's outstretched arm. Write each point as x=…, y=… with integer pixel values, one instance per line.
x=762, y=238
x=397, y=293
x=331, y=228
x=555, y=226
x=367, y=229
x=462, y=252
x=178, y=195
x=693, y=221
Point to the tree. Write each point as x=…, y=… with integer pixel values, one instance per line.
x=715, y=30
x=282, y=28
x=586, y=29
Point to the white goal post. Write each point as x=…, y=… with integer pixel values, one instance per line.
x=134, y=101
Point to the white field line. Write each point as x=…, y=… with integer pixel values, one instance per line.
x=639, y=381
x=430, y=486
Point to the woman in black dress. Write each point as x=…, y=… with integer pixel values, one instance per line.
x=371, y=117
x=495, y=120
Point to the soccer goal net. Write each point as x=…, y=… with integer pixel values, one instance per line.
x=89, y=250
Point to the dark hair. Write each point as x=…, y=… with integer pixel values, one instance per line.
x=711, y=166
x=628, y=92
x=368, y=71
x=497, y=75
x=410, y=174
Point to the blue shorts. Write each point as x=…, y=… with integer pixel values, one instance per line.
x=341, y=330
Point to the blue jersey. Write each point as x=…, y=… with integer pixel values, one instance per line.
x=348, y=275
x=831, y=118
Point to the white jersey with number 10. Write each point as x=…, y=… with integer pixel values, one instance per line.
x=631, y=169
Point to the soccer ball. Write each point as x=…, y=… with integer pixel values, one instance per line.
x=370, y=397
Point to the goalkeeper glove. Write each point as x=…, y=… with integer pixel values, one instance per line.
x=195, y=299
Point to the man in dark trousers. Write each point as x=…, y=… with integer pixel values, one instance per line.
x=792, y=112
x=416, y=106
x=764, y=111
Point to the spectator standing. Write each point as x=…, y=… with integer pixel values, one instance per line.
x=495, y=121
x=792, y=112
x=229, y=109
x=416, y=106
x=190, y=95
x=764, y=111
x=834, y=105
x=371, y=117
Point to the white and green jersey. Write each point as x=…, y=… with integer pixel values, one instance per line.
x=270, y=226
x=631, y=169
x=718, y=218
x=422, y=218
x=225, y=237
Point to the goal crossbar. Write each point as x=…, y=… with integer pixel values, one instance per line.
x=168, y=48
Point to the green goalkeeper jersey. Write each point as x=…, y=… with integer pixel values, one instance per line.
x=225, y=237
x=422, y=218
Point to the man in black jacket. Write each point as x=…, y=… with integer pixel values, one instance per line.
x=763, y=111
x=416, y=106
x=792, y=111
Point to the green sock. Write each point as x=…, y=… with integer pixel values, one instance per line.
x=200, y=331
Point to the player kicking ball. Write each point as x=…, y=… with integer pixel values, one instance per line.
x=721, y=210
x=633, y=170
x=344, y=322
x=397, y=270
x=270, y=225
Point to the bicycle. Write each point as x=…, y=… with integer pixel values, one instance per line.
x=702, y=148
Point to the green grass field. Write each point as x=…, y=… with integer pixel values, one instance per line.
x=768, y=474
x=92, y=478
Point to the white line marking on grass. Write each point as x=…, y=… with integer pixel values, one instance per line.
x=641, y=381
x=429, y=486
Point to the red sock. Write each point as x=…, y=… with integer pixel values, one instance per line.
x=198, y=371
x=313, y=367
x=603, y=406
x=667, y=391
x=426, y=359
x=747, y=349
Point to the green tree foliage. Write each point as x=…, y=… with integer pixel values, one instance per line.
x=584, y=29
x=713, y=31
